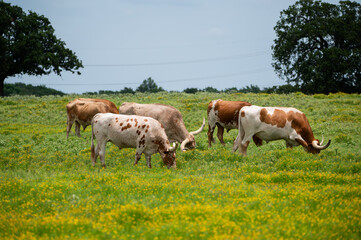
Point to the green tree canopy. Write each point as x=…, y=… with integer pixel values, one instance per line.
x=28, y=45
x=318, y=46
x=149, y=85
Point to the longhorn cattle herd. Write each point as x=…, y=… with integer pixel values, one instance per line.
x=151, y=128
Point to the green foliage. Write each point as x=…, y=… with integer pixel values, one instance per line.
x=190, y=90
x=28, y=45
x=318, y=46
x=150, y=86
x=49, y=190
x=28, y=89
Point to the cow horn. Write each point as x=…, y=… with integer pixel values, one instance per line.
x=182, y=147
x=175, y=146
x=319, y=146
x=200, y=129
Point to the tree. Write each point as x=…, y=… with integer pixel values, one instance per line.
x=250, y=89
x=28, y=46
x=127, y=90
x=149, y=85
x=190, y=90
x=211, y=89
x=318, y=46
x=28, y=89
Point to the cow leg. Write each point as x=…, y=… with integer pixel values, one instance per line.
x=243, y=149
x=77, y=128
x=148, y=157
x=240, y=136
x=68, y=127
x=95, y=155
x=210, y=135
x=257, y=141
x=288, y=145
x=137, y=157
x=220, y=132
x=244, y=144
x=101, y=152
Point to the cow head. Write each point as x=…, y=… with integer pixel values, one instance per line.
x=190, y=142
x=169, y=156
x=315, y=146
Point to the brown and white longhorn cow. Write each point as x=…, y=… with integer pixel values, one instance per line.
x=275, y=123
x=81, y=111
x=171, y=119
x=224, y=115
x=145, y=134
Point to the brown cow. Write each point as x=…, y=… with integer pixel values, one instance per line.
x=171, y=119
x=81, y=111
x=275, y=123
x=224, y=115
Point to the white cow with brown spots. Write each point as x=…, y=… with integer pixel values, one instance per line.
x=275, y=123
x=145, y=134
x=167, y=115
x=81, y=111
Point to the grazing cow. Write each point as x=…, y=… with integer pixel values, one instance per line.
x=275, y=123
x=82, y=110
x=171, y=119
x=145, y=134
x=224, y=115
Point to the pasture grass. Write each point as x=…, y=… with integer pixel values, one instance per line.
x=48, y=188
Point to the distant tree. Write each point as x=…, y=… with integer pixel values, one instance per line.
x=149, y=85
x=318, y=46
x=283, y=89
x=28, y=89
x=190, y=90
x=28, y=45
x=250, y=89
x=211, y=89
x=127, y=90
x=231, y=90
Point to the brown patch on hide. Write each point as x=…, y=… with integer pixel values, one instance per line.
x=126, y=127
x=227, y=110
x=142, y=141
x=278, y=118
x=160, y=144
x=301, y=125
x=243, y=114
x=120, y=124
x=145, y=120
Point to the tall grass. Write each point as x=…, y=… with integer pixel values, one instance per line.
x=48, y=188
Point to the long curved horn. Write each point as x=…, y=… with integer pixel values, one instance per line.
x=200, y=129
x=320, y=147
x=175, y=146
x=184, y=143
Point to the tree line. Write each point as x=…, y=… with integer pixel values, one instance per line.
x=147, y=86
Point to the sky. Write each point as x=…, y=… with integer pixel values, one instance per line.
x=178, y=43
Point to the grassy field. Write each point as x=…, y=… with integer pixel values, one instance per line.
x=48, y=188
